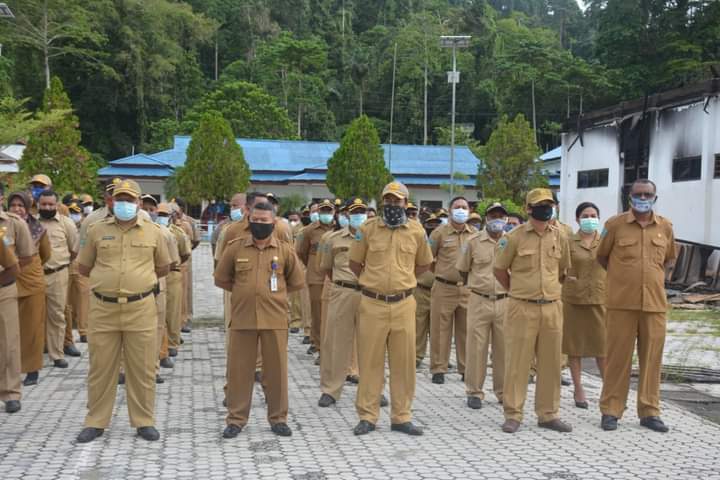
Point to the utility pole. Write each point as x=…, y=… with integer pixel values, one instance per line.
x=454, y=42
x=532, y=87
x=392, y=110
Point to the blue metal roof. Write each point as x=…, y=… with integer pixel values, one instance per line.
x=122, y=171
x=554, y=154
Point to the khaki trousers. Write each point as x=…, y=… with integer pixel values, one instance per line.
x=306, y=310
x=624, y=328
x=241, y=374
x=56, y=290
x=10, y=384
x=173, y=308
x=315, y=292
x=32, y=331
x=128, y=330
x=386, y=326
x=448, y=311
x=422, y=322
x=485, y=326
x=77, y=306
x=161, y=329
x=532, y=330
x=188, y=291
x=295, y=299
x=339, y=339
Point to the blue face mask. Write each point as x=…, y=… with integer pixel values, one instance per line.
x=326, y=218
x=236, y=214
x=314, y=217
x=589, y=225
x=459, y=215
x=495, y=226
x=343, y=221
x=642, y=205
x=508, y=227
x=125, y=211
x=443, y=220
x=357, y=219
x=36, y=191
x=164, y=221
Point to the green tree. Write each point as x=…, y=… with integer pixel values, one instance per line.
x=55, y=149
x=249, y=110
x=18, y=123
x=508, y=168
x=509, y=205
x=215, y=167
x=357, y=168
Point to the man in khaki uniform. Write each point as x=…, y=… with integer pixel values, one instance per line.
x=538, y=256
x=388, y=254
x=63, y=237
x=422, y=296
x=174, y=282
x=16, y=247
x=296, y=308
x=188, y=226
x=306, y=246
x=635, y=248
x=124, y=256
x=486, y=307
x=78, y=303
x=259, y=270
x=448, y=304
x=344, y=298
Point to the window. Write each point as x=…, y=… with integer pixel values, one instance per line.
x=593, y=178
x=717, y=166
x=686, y=168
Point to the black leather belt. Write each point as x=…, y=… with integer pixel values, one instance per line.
x=49, y=271
x=448, y=282
x=7, y=284
x=352, y=286
x=491, y=297
x=123, y=300
x=542, y=301
x=424, y=287
x=387, y=298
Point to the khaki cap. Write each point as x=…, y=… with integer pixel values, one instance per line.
x=537, y=195
x=356, y=203
x=129, y=187
x=164, y=208
x=475, y=216
x=411, y=206
x=110, y=186
x=149, y=198
x=85, y=198
x=396, y=189
x=496, y=206
x=326, y=204
x=75, y=208
x=43, y=179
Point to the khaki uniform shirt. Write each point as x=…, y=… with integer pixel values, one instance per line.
x=172, y=245
x=254, y=305
x=477, y=259
x=7, y=257
x=307, y=247
x=182, y=242
x=123, y=261
x=446, y=243
x=585, y=280
x=335, y=255
x=536, y=263
x=636, y=262
x=389, y=255
x=101, y=214
x=241, y=228
x=16, y=235
x=63, y=236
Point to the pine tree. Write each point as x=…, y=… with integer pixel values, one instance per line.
x=358, y=168
x=55, y=150
x=215, y=167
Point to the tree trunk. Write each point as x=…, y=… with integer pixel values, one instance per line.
x=299, y=112
x=46, y=47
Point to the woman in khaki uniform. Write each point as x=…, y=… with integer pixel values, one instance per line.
x=583, y=298
x=31, y=291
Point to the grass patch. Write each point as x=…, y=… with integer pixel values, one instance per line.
x=711, y=316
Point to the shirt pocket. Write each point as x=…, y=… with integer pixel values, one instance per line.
x=481, y=257
x=659, y=247
x=406, y=257
x=376, y=255
x=280, y=274
x=242, y=272
x=628, y=250
x=525, y=260
x=142, y=250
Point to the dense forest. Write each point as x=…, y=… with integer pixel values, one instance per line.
x=138, y=71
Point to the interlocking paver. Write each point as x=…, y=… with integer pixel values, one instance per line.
x=458, y=444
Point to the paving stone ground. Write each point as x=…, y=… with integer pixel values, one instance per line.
x=459, y=443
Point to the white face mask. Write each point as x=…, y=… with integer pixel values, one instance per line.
x=76, y=217
x=88, y=209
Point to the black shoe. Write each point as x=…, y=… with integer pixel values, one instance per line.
x=294, y=330
x=311, y=350
x=354, y=379
x=565, y=381
x=438, y=378
x=232, y=431
x=474, y=402
x=608, y=423
x=148, y=433
x=654, y=424
x=462, y=377
x=281, y=429
x=60, y=363
x=167, y=362
x=182, y=342
x=172, y=352
x=159, y=379
x=450, y=366
x=531, y=379
x=407, y=428
x=363, y=428
x=225, y=402
x=325, y=400
x=556, y=425
x=89, y=434
x=83, y=338
x=583, y=405
x=418, y=363
x=383, y=401
x=187, y=328
x=306, y=340
x=71, y=351
x=12, y=406
x=258, y=376
x=121, y=379
x=31, y=379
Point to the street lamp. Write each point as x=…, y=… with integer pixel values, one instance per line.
x=5, y=11
x=454, y=42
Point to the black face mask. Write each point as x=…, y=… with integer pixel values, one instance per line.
x=394, y=215
x=47, y=214
x=261, y=231
x=542, y=213
x=305, y=221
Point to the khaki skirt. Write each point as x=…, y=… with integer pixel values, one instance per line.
x=584, y=330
